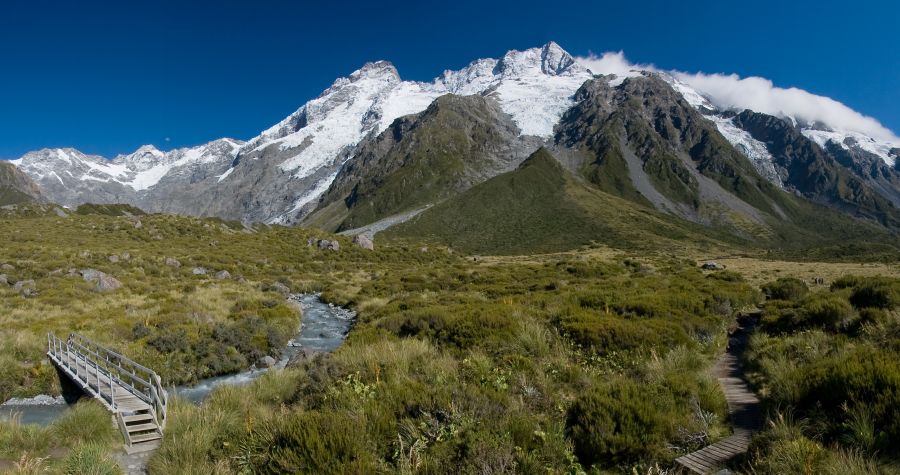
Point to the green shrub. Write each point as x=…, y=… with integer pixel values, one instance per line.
x=876, y=294
x=863, y=379
x=616, y=423
x=605, y=334
x=87, y=422
x=786, y=288
x=831, y=311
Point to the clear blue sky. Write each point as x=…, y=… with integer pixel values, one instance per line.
x=106, y=77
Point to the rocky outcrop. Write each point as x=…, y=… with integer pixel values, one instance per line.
x=643, y=141
x=265, y=362
x=282, y=289
x=104, y=281
x=364, y=242
x=16, y=187
x=328, y=244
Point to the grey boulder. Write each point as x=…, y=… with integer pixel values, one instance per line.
x=364, y=242
x=104, y=281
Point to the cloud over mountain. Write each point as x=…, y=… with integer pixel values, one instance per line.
x=730, y=91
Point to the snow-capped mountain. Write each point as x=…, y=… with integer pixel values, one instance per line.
x=535, y=87
x=875, y=161
x=275, y=176
x=70, y=177
x=279, y=176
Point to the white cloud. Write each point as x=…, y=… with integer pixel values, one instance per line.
x=730, y=91
x=613, y=63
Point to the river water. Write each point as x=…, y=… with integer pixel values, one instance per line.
x=324, y=327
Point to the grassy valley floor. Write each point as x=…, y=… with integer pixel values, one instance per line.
x=511, y=364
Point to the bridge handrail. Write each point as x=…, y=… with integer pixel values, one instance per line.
x=133, y=376
x=145, y=383
x=118, y=373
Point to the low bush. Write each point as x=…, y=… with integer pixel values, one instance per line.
x=875, y=294
x=90, y=459
x=325, y=443
x=616, y=423
x=605, y=334
x=786, y=288
x=862, y=379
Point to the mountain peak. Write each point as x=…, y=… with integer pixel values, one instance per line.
x=544, y=160
x=376, y=69
x=554, y=59
x=148, y=148
x=549, y=59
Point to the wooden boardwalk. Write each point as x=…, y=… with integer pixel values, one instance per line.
x=743, y=407
x=133, y=393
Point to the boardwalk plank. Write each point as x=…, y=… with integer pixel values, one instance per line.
x=743, y=406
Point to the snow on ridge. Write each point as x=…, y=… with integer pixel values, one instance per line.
x=225, y=175
x=879, y=148
x=139, y=170
x=755, y=150
x=535, y=87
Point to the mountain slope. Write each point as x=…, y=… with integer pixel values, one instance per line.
x=422, y=159
x=540, y=207
x=16, y=187
x=543, y=207
x=642, y=141
x=815, y=174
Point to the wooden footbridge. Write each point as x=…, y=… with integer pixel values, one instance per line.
x=743, y=406
x=132, y=392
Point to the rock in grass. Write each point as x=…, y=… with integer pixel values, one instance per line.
x=364, y=242
x=104, y=281
x=198, y=271
x=4, y=279
x=172, y=262
x=114, y=258
x=22, y=284
x=223, y=274
x=7, y=267
x=265, y=362
x=280, y=288
x=329, y=244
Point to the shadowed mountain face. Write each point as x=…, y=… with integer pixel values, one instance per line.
x=644, y=142
x=16, y=187
x=851, y=180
